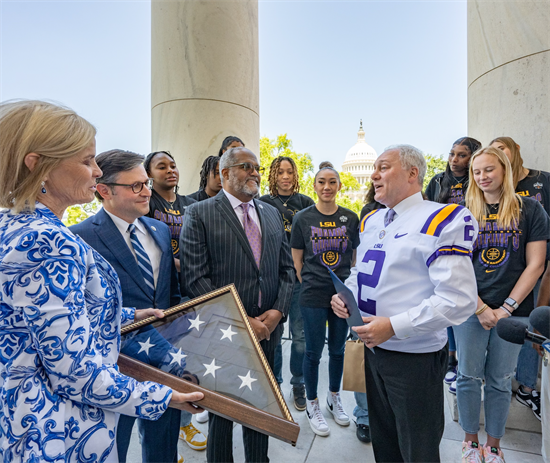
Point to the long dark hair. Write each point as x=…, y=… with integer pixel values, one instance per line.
x=447, y=181
x=210, y=164
x=147, y=164
x=227, y=141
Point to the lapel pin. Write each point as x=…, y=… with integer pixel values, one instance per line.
x=153, y=228
x=260, y=206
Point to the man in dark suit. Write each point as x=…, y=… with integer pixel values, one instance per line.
x=233, y=238
x=139, y=249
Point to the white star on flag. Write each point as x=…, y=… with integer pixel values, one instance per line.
x=145, y=346
x=247, y=380
x=195, y=323
x=211, y=369
x=177, y=357
x=228, y=333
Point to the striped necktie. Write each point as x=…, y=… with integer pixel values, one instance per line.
x=143, y=261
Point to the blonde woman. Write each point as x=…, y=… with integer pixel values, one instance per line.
x=508, y=259
x=534, y=184
x=61, y=304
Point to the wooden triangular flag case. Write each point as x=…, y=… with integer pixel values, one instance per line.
x=207, y=344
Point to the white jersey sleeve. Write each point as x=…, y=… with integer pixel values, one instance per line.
x=418, y=272
x=452, y=275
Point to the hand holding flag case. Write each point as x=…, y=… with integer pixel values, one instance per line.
x=208, y=345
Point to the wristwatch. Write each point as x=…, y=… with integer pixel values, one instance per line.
x=511, y=303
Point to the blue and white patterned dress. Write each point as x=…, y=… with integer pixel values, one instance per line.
x=60, y=318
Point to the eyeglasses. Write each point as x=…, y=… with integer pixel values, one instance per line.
x=136, y=187
x=249, y=167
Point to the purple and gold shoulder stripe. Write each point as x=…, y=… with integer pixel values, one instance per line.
x=440, y=219
x=449, y=251
x=367, y=217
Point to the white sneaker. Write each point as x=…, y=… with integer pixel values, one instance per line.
x=334, y=406
x=316, y=419
x=202, y=417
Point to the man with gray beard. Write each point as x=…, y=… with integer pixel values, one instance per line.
x=234, y=238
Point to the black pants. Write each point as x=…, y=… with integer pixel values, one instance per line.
x=405, y=397
x=220, y=430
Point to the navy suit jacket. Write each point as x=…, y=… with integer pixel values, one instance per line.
x=101, y=233
x=214, y=252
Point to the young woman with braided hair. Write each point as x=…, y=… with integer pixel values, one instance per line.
x=210, y=182
x=284, y=188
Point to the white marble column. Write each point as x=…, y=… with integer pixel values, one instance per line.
x=508, y=75
x=205, y=84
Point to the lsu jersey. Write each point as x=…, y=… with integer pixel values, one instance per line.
x=417, y=271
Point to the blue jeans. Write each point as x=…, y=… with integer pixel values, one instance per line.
x=451, y=336
x=298, y=346
x=361, y=410
x=482, y=354
x=528, y=361
x=315, y=322
x=528, y=364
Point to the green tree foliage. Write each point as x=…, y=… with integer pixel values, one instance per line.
x=435, y=164
x=79, y=213
x=282, y=146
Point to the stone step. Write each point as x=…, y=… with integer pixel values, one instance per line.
x=520, y=417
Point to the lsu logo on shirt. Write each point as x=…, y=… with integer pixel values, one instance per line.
x=329, y=244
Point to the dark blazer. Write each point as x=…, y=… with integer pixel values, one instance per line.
x=100, y=232
x=214, y=252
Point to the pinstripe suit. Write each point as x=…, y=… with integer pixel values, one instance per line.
x=215, y=252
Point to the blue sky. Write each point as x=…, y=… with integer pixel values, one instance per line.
x=399, y=66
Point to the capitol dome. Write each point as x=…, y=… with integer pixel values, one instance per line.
x=360, y=159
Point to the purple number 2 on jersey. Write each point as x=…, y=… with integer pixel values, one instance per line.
x=375, y=258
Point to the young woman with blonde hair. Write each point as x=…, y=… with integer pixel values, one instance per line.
x=534, y=184
x=508, y=259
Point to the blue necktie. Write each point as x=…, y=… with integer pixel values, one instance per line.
x=143, y=261
x=390, y=215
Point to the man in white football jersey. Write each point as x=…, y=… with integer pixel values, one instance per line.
x=413, y=278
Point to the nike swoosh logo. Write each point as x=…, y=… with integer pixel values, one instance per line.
x=397, y=235
x=489, y=271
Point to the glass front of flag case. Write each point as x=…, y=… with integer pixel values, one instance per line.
x=207, y=344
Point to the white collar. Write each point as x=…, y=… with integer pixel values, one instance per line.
x=122, y=225
x=236, y=202
x=407, y=203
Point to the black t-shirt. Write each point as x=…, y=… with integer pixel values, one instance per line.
x=433, y=190
x=369, y=207
x=499, y=254
x=288, y=206
x=328, y=241
x=537, y=186
x=171, y=215
x=199, y=195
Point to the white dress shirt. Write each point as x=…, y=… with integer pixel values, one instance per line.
x=417, y=271
x=147, y=241
x=236, y=202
